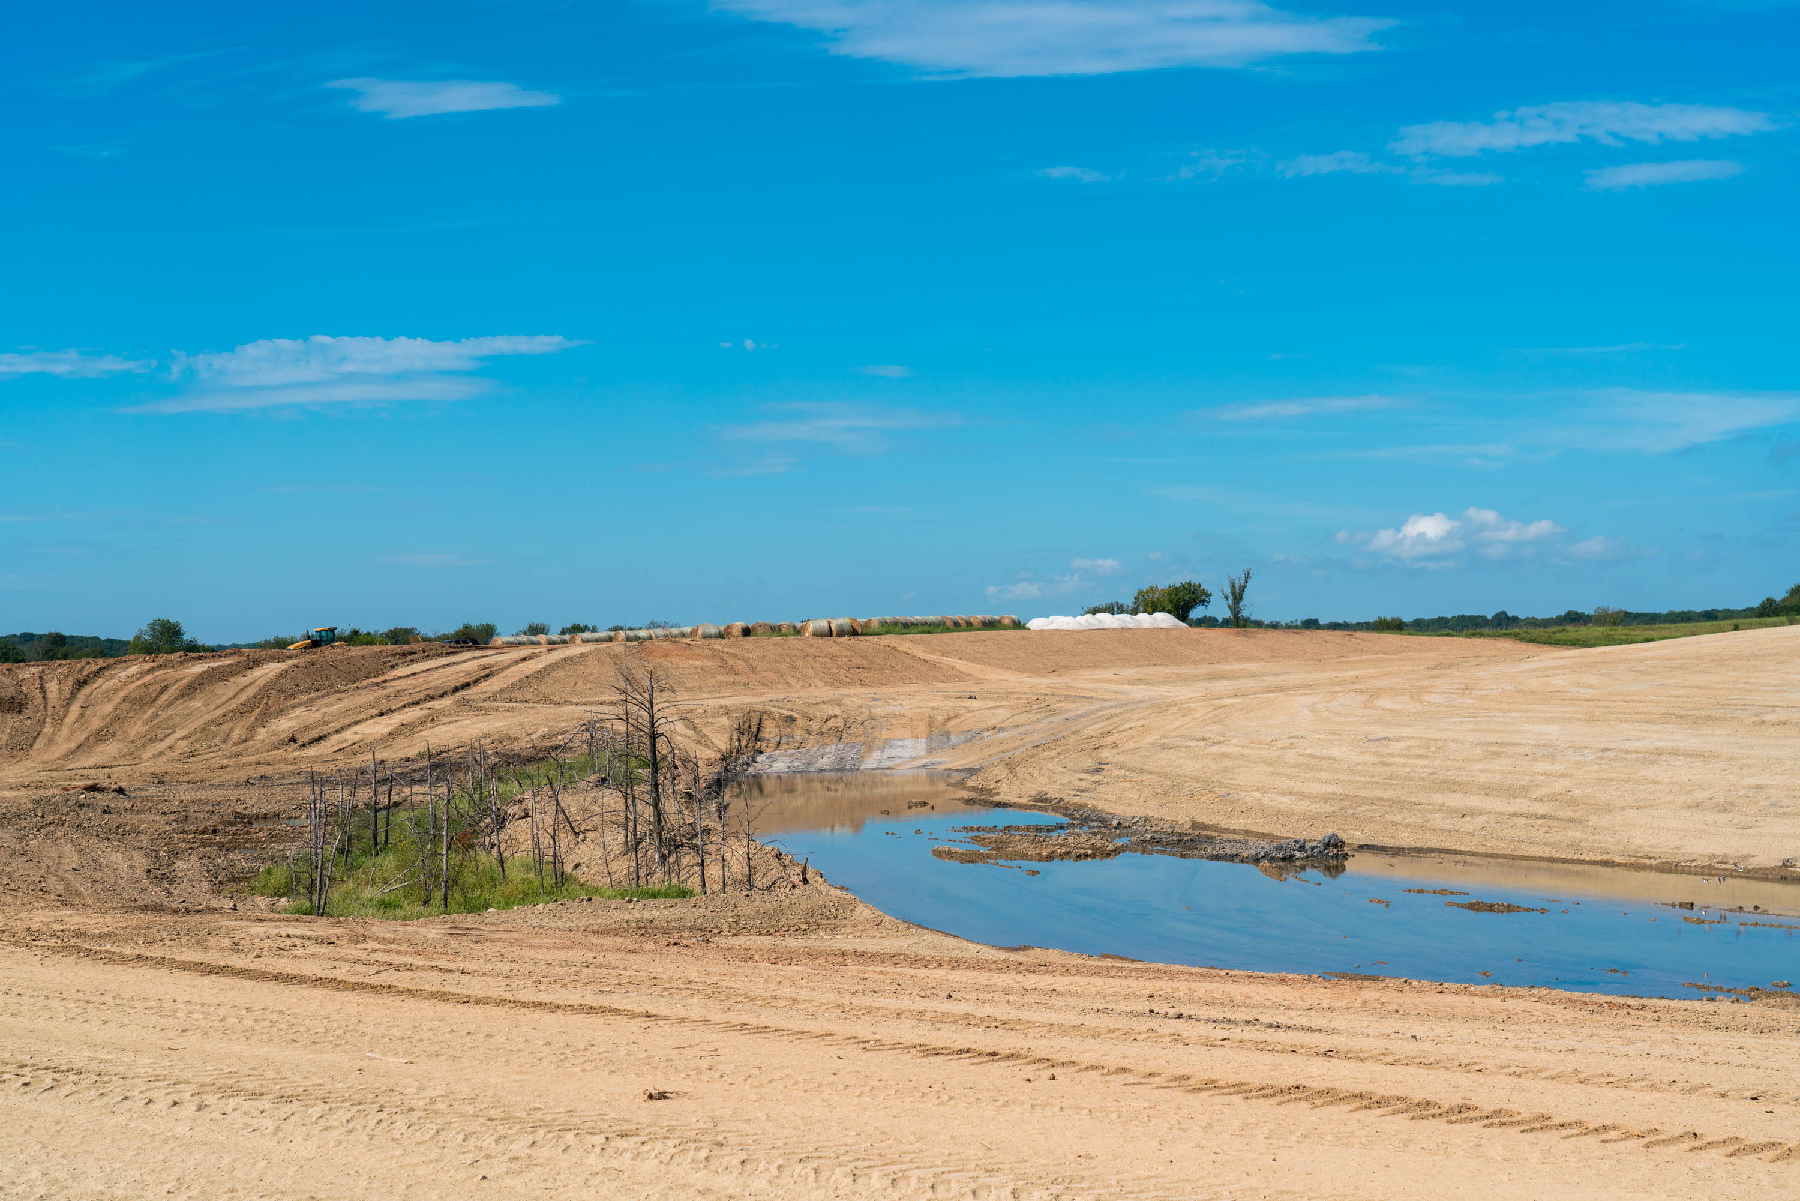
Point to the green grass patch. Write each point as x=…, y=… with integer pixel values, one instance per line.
x=1620, y=635
x=403, y=880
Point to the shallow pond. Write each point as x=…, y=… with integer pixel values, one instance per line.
x=1587, y=929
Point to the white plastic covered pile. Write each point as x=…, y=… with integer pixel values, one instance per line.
x=1108, y=621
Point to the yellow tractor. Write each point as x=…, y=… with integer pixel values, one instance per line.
x=322, y=636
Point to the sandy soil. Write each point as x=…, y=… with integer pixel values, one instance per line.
x=168, y=1036
x=809, y=1047
x=1676, y=752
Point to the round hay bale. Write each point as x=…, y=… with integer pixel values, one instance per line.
x=786, y=627
x=707, y=629
x=817, y=627
x=618, y=635
x=761, y=627
x=736, y=629
x=954, y=622
x=1009, y=622
x=844, y=627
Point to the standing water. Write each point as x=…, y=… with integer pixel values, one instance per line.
x=1586, y=929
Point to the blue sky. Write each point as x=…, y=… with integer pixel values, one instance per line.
x=512, y=311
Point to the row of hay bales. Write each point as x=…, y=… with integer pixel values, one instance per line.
x=814, y=627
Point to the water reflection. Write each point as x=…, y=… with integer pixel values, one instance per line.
x=1474, y=921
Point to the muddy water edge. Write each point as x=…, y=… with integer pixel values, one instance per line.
x=926, y=851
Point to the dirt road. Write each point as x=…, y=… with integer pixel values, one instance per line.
x=810, y=1047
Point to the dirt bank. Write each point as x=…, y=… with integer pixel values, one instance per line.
x=1673, y=752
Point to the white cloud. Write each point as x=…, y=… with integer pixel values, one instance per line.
x=1354, y=161
x=886, y=370
x=1098, y=566
x=857, y=429
x=1078, y=174
x=1498, y=537
x=1265, y=410
x=1062, y=37
x=1640, y=175
x=1608, y=122
x=1431, y=538
x=1421, y=535
x=324, y=369
x=69, y=364
x=399, y=98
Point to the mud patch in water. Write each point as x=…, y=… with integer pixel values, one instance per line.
x=1600, y=930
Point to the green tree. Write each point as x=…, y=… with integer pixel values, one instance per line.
x=1235, y=587
x=400, y=635
x=1177, y=600
x=534, y=628
x=1606, y=615
x=1116, y=608
x=11, y=652
x=577, y=627
x=1390, y=625
x=161, y=636
x=480, y=632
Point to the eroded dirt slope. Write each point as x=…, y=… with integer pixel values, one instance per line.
x=1681, y=751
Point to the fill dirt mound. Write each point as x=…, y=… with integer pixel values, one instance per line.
x=1680, y=751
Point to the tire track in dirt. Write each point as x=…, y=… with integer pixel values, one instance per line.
x=1283, y=1091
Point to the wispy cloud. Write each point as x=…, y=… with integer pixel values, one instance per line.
x=399, y=98
x=1643, y=175
x=1311, y=406
x=1075, y=580
x=70, y=364
x=1342, y=160
x=854, y=429
x=886, y=370
x=1659, y=422
x=341, y=370
x=1212, y=164
x=1078, y=174
x=1611, y=123
x=1620, y=348
x=1063, y=37
x=117, y=74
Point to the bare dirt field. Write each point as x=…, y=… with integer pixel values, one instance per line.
x=1679, y=752
x=167, y=1035
x=809, y=1047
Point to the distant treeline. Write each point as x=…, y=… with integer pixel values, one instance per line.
x=165, y=636
x=27, y=647
x=1464, y=622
